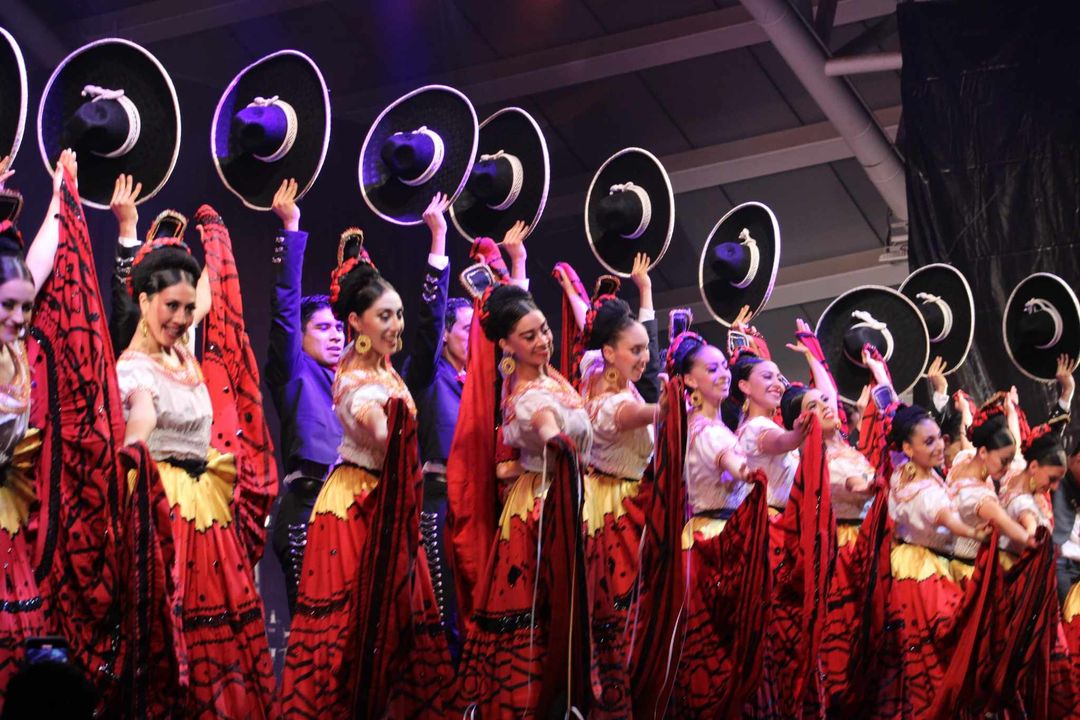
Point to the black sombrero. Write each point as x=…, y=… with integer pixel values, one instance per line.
x=883, y=318
x=739, y=261
x=944, y=298
x=272, y=123
x=629, y=209
x=1041, y=322
x=508, y=182
x=423, y=143
x=13, y=91
x=114, y=104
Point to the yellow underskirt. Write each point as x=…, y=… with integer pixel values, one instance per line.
x=204, y=500
x=339, y=492
x=707, y=527
x=1071, y=608
x=914, y=562
x=846, y=534
x=17, y=492
x=604, y=495
x=521, y=499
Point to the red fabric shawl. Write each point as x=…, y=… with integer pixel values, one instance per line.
x=470, y=470
x=658, y=616
x=232, y=376
x=570, y=341
x=76, y=404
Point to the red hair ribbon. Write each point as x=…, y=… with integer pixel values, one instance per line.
x=485, y=250
x=150, y=246
x=590, y=318
x=7, y=227
x=1034, y=434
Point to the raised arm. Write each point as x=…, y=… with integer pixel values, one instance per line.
x=125, y=313
x=649, y=384
x=938, y=384
x=514, y=245
x=823, y=381
x=778, y=442
x=286, y=333
x=431, y=317
x=1066, y=366
x=580, y=307
x=42, y=251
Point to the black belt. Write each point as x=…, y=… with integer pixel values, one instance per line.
x=717, y=514
x=309, y=469
x=194, y=468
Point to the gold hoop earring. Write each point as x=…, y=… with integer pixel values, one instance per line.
x=144, y=327
x=363, y=344
x=909, y=471
x=746, y=406
x=187, y=337
x=507, y=366
x=696, y=400
x=611, y=375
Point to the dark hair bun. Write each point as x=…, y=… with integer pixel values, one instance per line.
x=611, y=316
x=356, y=281
x=906, y=418
x=791, y=404
x=684, y=348
x=504, y=307
x=163, y=267
x=992, y=433
x=1047, y=450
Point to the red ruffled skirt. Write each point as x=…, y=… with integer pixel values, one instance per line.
x=22, y=613
x=614, y=518
x=320, y=679
x=230, y=673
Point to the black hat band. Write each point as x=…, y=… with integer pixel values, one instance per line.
x=646, y=207
x=755, y=259
x=517, y=171
x=438, y=153
x=97, y=94
x=1035, y=305
x=946, y=314
x=866, y=320
x=290, y=126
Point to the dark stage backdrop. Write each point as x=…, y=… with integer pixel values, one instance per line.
x=991, y=136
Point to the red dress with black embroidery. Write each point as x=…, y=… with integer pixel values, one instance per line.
x=22, y=614
x=221, y=632
x=615, y=503
x=362, y=529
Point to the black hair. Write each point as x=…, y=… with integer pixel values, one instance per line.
x=12, y=264
x=791, y=404
x=504, y=307
x=162, y=268
x=49, y=689
x=1047, y=450
x=611, y=317
x=741, y=371
x=684, y=350
x=453, y=305
x=906, y=419
x=992, y=434
x=311, y=304
x=952, y=420
x=359, y=290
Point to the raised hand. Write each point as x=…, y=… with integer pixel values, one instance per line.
x=125, y=193
x=1064, y=375
x=875, y=366
x=742, y=320
x=864, y=399
x=514, y=241
x=435, y=213
x=640, y=272
x=801, y=328
x=936, y=375
x=69, y=161
x=5, y=172
x=284, y=205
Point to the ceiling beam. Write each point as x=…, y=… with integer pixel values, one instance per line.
x=603, y=57
x=800, y=284
x=758, y=156
x=167, y=19
x=35, y=37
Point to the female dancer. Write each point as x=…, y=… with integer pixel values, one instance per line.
x=852, y=490
x=925, y=594
x=522, y=623
x=22, y=608
x=214, y=501
x=359, y=534
x=725, y=542
x=623, y=439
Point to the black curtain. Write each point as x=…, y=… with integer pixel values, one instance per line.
x=991, y=136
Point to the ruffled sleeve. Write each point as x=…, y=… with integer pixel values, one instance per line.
x=133, y=375
x=750, y=435
x=604, y=416
x=716, y=441
x=527, y=405
x=364, y=398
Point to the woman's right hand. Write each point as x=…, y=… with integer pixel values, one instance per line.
x=284, y=205
x=936, y=375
